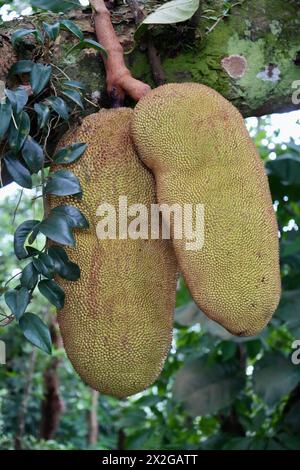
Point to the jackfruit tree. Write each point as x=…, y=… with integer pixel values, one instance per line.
x=53, y=80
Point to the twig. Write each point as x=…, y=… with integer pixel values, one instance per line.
x=155, y=64
x=153, y=56
x=17, y=206
x=118, y=78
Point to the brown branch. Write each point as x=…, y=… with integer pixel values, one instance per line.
x=118, y=78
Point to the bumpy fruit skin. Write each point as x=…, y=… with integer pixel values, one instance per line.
x=200, y=152
x=116, y=323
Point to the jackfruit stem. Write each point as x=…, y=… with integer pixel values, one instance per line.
x=119, y=80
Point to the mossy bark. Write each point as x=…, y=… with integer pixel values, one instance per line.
x=263, y=34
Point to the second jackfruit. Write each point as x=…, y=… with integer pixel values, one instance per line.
x=200, y=152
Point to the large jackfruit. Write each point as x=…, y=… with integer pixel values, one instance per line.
x=200, y=152
x=116, y=323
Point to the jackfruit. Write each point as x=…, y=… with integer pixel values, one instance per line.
x=200, y=152
x=116, y=323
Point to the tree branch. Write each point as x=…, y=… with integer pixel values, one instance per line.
x=118, y=77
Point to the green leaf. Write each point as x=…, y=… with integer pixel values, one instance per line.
x=31, y=250
x=205, y=388
x=17, y=171
x=56, y=6
x=173, y=12
x=52, y=30
x=44, y=265
x=57, y=229
x=43, y=114
x=18, y=98
x=19, y=34
x=74, y=216
x=5, y=118
x=22, y=66
x=70, y=154
x=21, y=235
x=274, y=377
x=53, y=292
x=17, y=137
x=17, y=300
x=63, y=266
x=39, y=37
x=36, y=331
x=39, y=77
x=63, y=183
x=74, y=96
x=72, y=28
x=29, y=276
x=289, y=248
x=74, y=84
x=33, y=154
x=286, y=168
x=288, y=310
x=59, y=106
x=90, y=44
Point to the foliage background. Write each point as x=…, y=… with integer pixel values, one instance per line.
x=216, y=391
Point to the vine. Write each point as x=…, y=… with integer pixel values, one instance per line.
x=29, y=112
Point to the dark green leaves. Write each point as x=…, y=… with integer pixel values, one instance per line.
x=74, y=96
x=20, y=34
x=59, y=106
x=205, y=388
x=36, y=332
x=89, y=43
x=72, y=28
x=21, y=235
x=18, y=172
x=74, y=84
x=74, y=216
x=44, y=265
x=63, y=266
x=53, y=292
x=60, y=222
x=5, y=118
x=18, y=98
x=43, y=114
x=63, y=183
x=39, y=77
x=22, y=66
x=17, y=300
x=33, y=155
x=55, y=5
x=274, y=377
x=70, y=154
x=17, y=136
x=57, y=229
x=29, y=276
x=52, y=30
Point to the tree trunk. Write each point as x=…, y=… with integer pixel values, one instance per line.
x=92, y=418
x=251, y=56
x=52, y=405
